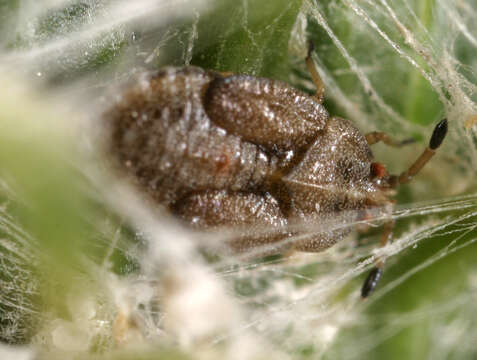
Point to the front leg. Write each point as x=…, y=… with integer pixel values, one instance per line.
x=373, y=278
x=377, y=136
x=315, y=76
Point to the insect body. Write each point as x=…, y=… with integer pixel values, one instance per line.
x=252, y=153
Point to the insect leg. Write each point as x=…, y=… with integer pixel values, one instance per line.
x=373, y=278
x=376, y=136
x=320, y=86
x=437, y=138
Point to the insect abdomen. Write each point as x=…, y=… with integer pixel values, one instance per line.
x=164, y=138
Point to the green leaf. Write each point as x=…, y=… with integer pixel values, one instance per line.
x=249, y=37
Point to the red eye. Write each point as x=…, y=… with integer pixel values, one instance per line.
x=378, y=170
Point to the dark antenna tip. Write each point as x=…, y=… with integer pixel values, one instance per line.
x=371, y=282
x=438, y=135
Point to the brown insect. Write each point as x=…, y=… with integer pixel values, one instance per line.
x=235, y=150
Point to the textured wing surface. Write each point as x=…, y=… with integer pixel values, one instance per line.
x=265, y=112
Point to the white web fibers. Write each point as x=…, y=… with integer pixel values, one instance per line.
x=239, y=306
x=16, y=284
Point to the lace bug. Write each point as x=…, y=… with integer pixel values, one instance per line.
x=220, y=149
